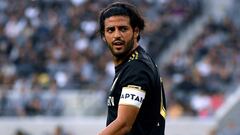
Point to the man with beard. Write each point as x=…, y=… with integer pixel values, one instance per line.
x=136, y=100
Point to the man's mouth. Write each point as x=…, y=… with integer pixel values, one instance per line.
x=118, y=43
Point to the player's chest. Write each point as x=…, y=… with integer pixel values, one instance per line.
x=114, y=96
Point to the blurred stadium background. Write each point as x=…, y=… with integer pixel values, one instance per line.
x=55, y=70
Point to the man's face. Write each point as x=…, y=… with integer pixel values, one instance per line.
x=119, y=35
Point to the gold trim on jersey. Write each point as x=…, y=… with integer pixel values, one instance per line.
x=134, y=56
x=163, y=111
x=135, y=87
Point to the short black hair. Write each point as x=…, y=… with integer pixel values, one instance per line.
x=122, y=9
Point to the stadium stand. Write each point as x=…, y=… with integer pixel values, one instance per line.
x=204, y=74
x=54, y=67
x=47, y=46
x=227, y=122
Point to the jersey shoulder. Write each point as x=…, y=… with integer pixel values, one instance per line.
x=141, y=58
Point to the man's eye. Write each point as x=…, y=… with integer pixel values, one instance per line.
x=110, y=30
x=123, y=29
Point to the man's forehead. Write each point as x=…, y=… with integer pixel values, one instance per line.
x=117, y=20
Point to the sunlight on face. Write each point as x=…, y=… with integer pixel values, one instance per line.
x=119, y=35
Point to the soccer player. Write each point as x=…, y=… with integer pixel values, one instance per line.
x=136, y=101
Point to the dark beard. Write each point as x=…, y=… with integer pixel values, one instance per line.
x=126, y=52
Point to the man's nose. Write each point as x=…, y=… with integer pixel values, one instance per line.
x=117, y=34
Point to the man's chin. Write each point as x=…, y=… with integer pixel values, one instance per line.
x=119, y=55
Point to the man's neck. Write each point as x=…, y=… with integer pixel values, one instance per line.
x=119, y=60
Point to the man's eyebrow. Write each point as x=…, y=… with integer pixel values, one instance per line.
x=123, y=26
x=109, y=27
x=118, y=26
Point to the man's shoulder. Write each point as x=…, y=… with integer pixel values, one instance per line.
x=141, y=56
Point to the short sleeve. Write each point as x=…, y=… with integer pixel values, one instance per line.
x=138, y=74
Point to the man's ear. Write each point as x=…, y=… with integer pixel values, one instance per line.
x=103, y=38
x=136, y=32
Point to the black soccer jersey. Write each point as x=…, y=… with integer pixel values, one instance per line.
x=137, y=82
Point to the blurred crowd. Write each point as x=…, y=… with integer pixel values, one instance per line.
x=47, y=46
x=202, y=77
x=58, y=130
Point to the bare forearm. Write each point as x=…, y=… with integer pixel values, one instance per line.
x=123, y=123
x=116, y=128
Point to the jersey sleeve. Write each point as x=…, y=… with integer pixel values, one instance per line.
x=136, y=73
x=135, y=83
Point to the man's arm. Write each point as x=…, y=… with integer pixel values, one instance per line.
x=124, y=121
